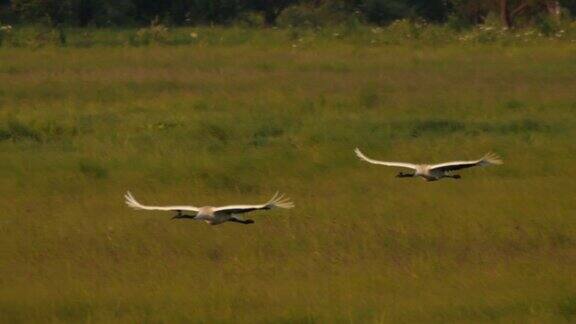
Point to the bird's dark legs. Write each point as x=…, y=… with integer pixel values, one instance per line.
x=404, y=175
x=455, y=176
x=242, y=221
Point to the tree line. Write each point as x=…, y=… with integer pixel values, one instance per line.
x=106, y=13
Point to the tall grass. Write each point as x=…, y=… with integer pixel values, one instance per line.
x=223, y=123
x=401, y=32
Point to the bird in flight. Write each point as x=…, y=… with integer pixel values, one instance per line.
x=214, y=215
x=433, y=172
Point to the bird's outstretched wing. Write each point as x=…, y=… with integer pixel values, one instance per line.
x=131, y=202
x=394, y=164
x=277, y=201
x=488, y=159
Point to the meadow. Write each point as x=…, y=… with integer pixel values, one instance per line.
x=231, y=116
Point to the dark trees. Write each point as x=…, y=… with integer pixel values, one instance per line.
x=179, y=12
x=270, y=9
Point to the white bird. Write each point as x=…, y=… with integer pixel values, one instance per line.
x=214, y=215
x=432, y=172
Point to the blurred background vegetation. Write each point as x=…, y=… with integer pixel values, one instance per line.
x=85, y=23
x=131, y=13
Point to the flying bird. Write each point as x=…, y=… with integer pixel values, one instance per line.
x=214, y=215
x=433, y=172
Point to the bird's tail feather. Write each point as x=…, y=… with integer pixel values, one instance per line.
x=492, y=158
x=360, y=155
x=278, y=200
x=131, y=201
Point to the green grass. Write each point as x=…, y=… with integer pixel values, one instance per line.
x=233, y=122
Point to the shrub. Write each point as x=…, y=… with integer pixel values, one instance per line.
x=155, y=33
x=5, y=33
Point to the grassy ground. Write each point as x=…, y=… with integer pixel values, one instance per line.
x=228, y=123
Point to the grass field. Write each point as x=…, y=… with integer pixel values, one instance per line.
x=228, y=123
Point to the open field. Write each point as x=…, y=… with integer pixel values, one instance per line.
x=226, y=123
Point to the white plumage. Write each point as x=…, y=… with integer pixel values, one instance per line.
x=432, y=172
x=214, y=215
